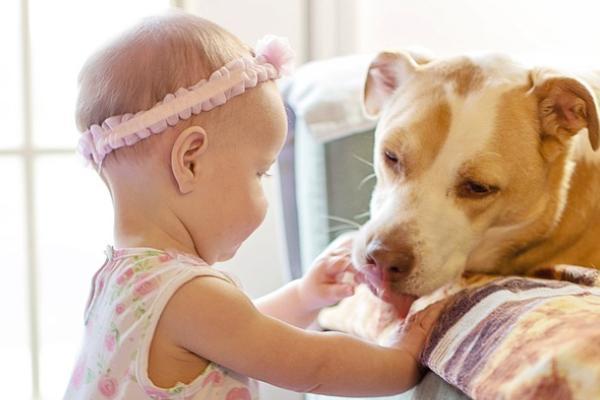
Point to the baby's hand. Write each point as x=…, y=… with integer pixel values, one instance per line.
x=331, y=277
x=417, y=328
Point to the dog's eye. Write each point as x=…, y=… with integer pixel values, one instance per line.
x=390, y=157
x=476, y=190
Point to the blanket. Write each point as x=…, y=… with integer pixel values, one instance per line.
x=501, y=337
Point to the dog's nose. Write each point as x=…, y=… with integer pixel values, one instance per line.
x=395, y=262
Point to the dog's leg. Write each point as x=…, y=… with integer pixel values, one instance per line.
x=571, y=273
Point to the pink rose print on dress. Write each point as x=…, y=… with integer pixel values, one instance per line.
x=110, y=341
x=145, y=285
x=214, y=378
x=120, y=308
x=165, y=257
x=125, y=276
x=108, y=386
x=238, y=394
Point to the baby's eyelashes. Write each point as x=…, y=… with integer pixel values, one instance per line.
x=265, y=174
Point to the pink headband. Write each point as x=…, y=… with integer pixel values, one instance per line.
x=273, y=59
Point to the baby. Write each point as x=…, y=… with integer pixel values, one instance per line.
x=185, y=177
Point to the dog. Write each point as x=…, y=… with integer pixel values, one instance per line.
x=482, y=165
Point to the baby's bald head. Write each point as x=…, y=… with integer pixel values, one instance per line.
x=158, y=56
x=167, y=176
x=197, y=184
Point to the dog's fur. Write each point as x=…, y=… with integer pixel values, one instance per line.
x=496, y=170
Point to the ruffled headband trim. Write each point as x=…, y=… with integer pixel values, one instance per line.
x=273, y=59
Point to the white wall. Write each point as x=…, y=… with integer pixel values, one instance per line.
x=550, y=30
x=250, y=20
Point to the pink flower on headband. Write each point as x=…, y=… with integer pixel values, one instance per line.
x=276, y=51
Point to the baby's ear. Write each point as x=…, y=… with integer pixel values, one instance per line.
x=566, y=106
x=185, y=154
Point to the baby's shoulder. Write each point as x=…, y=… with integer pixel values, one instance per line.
x=205, y=305
x=210, y=291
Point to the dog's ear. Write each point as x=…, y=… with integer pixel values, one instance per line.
x=386, y=73
x=566, y=105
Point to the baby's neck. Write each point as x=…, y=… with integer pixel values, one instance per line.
x=134, y=228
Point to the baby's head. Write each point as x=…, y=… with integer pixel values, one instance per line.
x=190, y=163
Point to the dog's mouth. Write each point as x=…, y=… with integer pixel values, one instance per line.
x=380, y=286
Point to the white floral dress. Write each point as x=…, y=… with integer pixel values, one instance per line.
x=128, y=295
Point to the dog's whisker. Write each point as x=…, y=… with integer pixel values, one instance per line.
x=366, y=179
x=342, y=228
x=370, y=164
x=365, y=214
x=344, y=220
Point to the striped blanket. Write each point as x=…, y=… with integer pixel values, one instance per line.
x=502, y=337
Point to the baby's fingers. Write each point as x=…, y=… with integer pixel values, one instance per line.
x=417, y=327
x=423, y=321
x=339, y=264
x=337, y=292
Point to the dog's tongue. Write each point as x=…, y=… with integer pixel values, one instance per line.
x=373, y=277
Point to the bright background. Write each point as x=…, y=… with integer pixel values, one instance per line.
x=55, y=216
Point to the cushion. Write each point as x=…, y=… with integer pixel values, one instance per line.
x=501, y=337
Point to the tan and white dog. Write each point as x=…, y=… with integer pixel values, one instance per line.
x=482, y=165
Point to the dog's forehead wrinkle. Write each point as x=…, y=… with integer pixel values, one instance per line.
x=395, y=135
x=488, y=168
x=401, y=109
x=471, y=131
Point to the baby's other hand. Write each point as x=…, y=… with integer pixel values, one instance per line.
x=416, y=329
x=331, y=276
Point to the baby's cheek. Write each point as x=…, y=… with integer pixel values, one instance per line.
x=260, y=210
x=254, y=213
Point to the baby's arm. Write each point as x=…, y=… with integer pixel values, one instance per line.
x=216, y=321
x=286, y=305
x=299, y=302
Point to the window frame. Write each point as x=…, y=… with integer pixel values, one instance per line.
x=28, y=153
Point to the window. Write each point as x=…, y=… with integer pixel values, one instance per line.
x=47, y=196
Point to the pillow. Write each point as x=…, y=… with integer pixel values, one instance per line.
x=327, y=96
x=502, y=337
